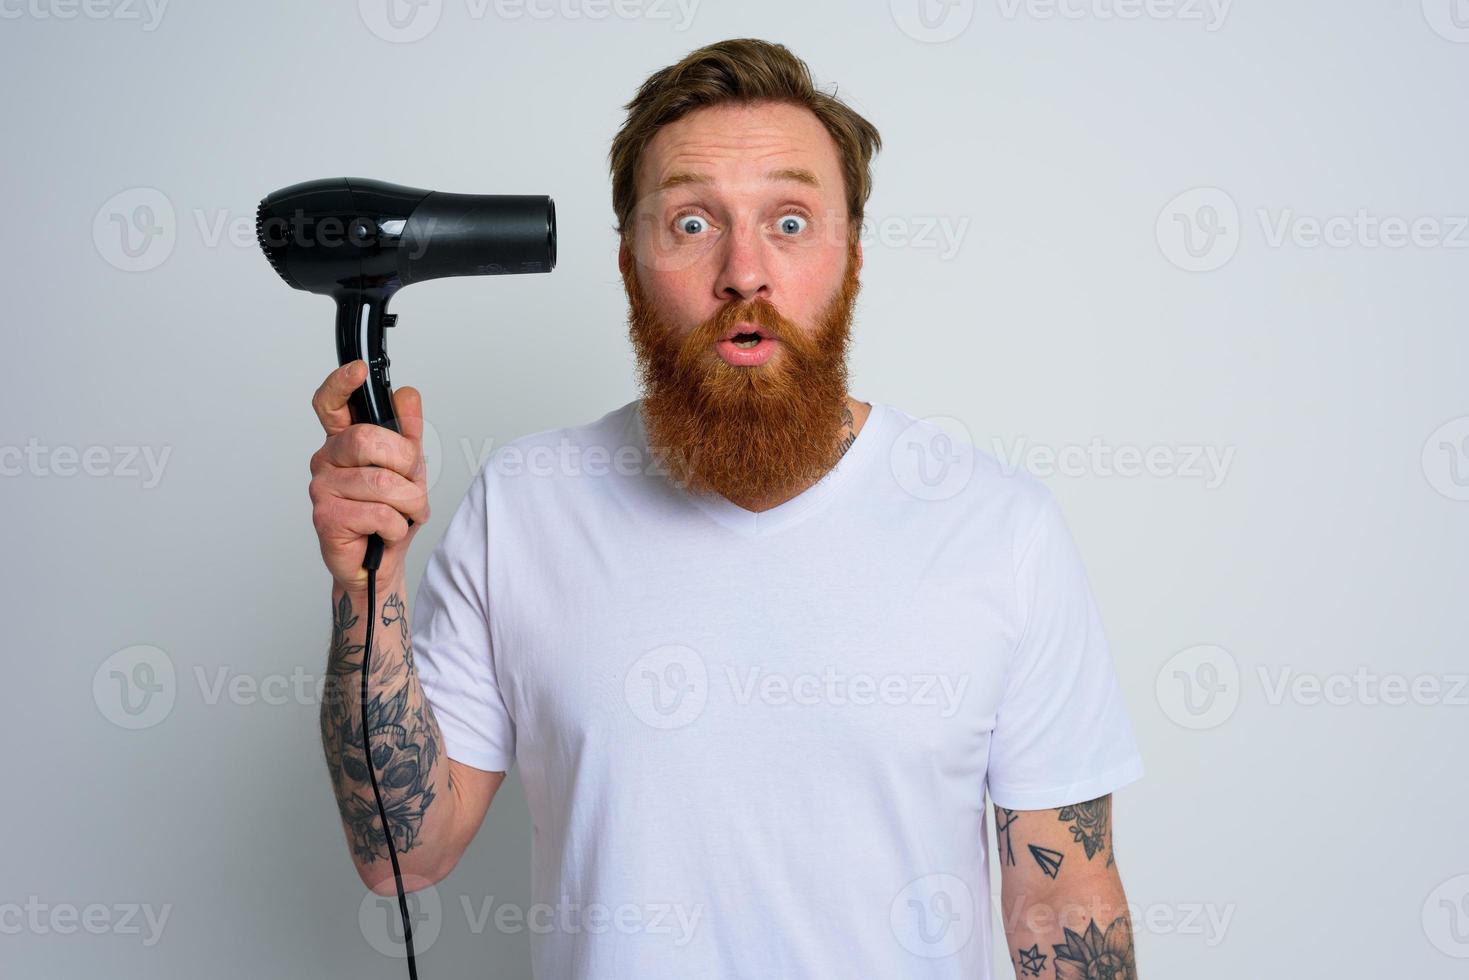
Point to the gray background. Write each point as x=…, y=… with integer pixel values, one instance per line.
x=1052, y=143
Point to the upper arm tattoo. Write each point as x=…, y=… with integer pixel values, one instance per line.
x=1003, y=819
x=1091, y=825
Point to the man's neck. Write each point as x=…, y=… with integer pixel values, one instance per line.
x=854, y=416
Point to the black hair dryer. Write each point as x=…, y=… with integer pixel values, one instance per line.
x=359, y=241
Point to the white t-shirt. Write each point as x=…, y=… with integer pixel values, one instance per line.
x=757, y=745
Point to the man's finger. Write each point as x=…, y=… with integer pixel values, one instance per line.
x=330, y=400
x=365, y=444
x=408, y=406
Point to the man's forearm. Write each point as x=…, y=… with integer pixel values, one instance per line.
x=407, y=748
x=1064, y=909
x=1076, y=933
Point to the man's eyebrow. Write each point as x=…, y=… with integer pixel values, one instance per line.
x=798, y=174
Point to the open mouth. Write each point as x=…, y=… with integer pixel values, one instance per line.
x=746, y=345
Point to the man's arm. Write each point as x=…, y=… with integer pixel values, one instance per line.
x=367, y=479
x=1064, y=910
x=434, y=805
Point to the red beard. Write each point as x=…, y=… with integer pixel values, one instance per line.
x=752, y=434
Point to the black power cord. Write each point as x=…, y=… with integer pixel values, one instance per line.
x=371, y=561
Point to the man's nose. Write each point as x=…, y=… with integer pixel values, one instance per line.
x=744, y=274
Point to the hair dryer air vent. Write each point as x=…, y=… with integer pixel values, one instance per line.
x=275, y=252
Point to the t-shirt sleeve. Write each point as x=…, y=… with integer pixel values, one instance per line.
x=452, y=649
x=1061, y=732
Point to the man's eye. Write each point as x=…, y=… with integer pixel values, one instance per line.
x=689, y=224
x=789, y=220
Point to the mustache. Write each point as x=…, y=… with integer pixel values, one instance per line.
x=760, y=313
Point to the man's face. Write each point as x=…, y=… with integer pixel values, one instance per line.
x=741, y=272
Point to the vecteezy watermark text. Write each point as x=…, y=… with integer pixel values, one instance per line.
x=839, y=689
x=1201, y=687
x=1099, y=459
x=123, y=462
x=1202, y=229
x=39, y=918
x=148, y=12
x=406, y=21
x=1211, y=13
x=379, y=917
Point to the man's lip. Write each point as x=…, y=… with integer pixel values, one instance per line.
x=754, y=328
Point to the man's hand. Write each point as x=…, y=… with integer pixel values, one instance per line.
x=366, y=479
x=1061, y=896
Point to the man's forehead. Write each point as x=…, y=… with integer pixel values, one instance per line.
x=745, y=146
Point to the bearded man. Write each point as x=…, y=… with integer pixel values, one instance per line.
x=758, y=649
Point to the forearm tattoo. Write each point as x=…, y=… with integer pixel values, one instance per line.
x=405, y=738
x=1103, y=948
x=1097, y=954
x=1093, y=954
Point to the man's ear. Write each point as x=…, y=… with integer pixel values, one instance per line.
x=624, y=255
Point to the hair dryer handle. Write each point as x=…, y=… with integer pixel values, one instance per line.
x=362, y=322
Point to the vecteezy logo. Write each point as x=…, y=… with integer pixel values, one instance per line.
x=1448, y=18
x=1446, y=459
x=135, y=688
x=1199, y=688
x=134, y=230
x=927, y=459
x=1446, y=917
x=1199, y=230
x=932, y=21
x=433, y=453
x=933, y=916
x=667, y=687
x=401, y=21
x=381, y=920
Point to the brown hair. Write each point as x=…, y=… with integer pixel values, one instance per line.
x=744, y=71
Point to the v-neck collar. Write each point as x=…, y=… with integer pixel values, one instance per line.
x=754, y=523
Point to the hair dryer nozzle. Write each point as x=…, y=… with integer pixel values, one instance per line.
x=478, y=235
